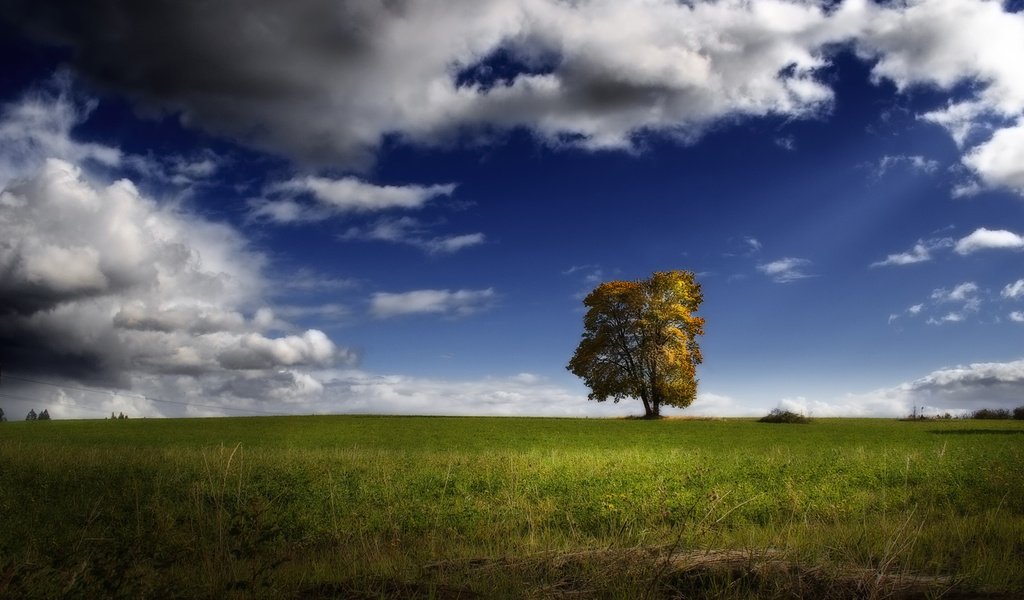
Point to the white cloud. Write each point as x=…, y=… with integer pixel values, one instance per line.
x=914, y=162
x=440, y=302
x=102, y=284
x=785, y=270
x=1017, y=316
x=983, y=239
x=447, y=245
x=943, y=44
x=38, y=126
x=593, y=74
x=1000, y=160
x=921, y=252
x=254, y=351
x=1013, y=291
x=410, y=231
x=338, y=197
x=915, y=309
x=955, y=390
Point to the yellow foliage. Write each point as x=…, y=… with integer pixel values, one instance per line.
x=639, y=341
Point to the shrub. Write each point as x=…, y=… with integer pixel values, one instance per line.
x=783, y=416
x=1018, y=413
x=991, y=413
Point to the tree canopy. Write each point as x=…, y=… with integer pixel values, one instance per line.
x=639, y=341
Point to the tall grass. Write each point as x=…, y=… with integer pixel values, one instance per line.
x=400, y=507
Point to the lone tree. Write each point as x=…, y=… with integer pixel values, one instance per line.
x=639, y=341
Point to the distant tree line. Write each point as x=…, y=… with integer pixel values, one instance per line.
x=43, y=416
x=999, y=413
x=981, y=413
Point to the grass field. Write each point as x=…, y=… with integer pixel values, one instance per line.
x=367, y=507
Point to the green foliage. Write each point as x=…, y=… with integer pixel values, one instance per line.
x=640, y=341
x=1018, y=413
x=991, y=413
x=372, y=507
x=777, y=415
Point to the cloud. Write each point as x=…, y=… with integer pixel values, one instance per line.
x=864, y=405
x=921, y=252
x=961, y=293
x=785, y=270
x=334, y=197
x=1000, y=160
x=254, y=351
x=326, y=82
x=38, y=126
x=992, y=385
x=456, y=303
x=985, y=239
x=912, y=162
x=410, y=231
x=964, y=294
x=944, y=44
x=1017, y=316
x=1013, y=291
x=956, y=390
x=101, y=284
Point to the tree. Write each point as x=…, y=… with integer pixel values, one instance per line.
x=45, y=415
x=31, y=416
x=639, y=341
x=2, y=417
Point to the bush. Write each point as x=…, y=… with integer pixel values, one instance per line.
x=991, y=413
x=1018, y=413
x=783, y=416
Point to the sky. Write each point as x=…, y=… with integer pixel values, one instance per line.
x=397, y=206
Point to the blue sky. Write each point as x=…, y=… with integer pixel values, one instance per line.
x=394, y=208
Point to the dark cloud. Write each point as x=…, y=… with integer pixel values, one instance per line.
x=324, y=81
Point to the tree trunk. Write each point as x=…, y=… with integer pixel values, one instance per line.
x=647, y=407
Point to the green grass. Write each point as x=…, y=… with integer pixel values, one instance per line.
x=311, y=507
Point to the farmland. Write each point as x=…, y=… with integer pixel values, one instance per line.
x=368, y=507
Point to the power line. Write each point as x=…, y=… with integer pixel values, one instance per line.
x=141, y=396
x=35, y=400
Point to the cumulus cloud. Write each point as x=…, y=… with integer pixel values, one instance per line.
x=955, y=390
x=328, y=82
x=947, y=43
x=785, y=270
x=410, y=231
x=457, y=303
x=1000, y=160
x=99, y=283
x=421, y=70
x=986, y=239
x=1017, y=316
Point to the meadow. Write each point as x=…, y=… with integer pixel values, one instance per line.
x=438, y=507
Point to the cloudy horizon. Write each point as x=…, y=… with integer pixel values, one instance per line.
x=351, y=207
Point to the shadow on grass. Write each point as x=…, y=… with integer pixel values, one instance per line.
x=977, y=431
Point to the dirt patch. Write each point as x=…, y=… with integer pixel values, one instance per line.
x=664, y=573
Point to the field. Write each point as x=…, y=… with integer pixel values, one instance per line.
x=370, y=507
